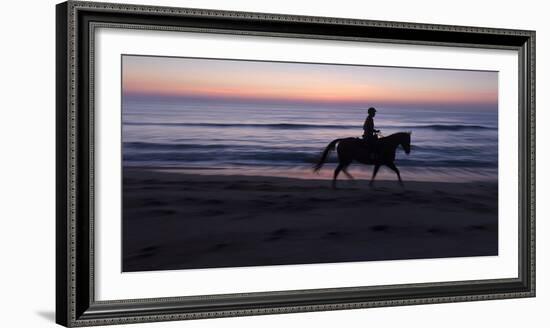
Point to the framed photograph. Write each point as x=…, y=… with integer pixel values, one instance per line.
x=214, y=163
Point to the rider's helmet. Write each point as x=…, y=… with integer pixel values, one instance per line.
x=371, y=110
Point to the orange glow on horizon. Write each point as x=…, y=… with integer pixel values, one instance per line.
x=300, y=82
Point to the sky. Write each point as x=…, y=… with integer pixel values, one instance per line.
x=264, y=81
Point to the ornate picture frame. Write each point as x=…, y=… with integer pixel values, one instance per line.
x=76, y=302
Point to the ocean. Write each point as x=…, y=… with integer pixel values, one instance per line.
x=207, y=137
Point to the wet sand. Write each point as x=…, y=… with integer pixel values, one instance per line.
x=174, y=220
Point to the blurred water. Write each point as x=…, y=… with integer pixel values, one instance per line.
x=283, y=140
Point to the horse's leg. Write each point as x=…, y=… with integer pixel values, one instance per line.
x=376, y=167
x=396, y=170
x=345, y=170
x=336, y=172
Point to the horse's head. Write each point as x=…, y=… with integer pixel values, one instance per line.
x=406, y=142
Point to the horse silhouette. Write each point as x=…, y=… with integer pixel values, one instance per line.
x=355, y=149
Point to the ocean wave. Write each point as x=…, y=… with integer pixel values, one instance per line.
x=447, y=127
x=298, y=126
x=282, y=158
x=435, y=150
x=199, y=147
x=152, y=146
x=247, y=125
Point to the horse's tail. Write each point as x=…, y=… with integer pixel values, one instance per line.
x=331, y=146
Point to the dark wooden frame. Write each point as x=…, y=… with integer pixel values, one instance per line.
x=75, y=302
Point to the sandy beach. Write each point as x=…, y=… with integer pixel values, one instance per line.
x=175, y=220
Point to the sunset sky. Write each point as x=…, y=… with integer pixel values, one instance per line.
x=255, y=81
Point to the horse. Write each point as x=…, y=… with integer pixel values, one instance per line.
x=354, y=149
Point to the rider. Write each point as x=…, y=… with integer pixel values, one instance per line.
x=370, y=133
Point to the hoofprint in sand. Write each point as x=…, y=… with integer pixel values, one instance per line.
x=175, y=220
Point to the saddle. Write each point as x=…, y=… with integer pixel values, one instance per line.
x=370, y=147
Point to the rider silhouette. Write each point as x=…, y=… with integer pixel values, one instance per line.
x=369, y=132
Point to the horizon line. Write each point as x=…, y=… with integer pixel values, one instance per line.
x=295, y=101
